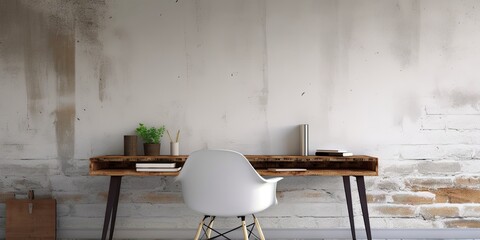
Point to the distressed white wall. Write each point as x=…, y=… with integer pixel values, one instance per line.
x=394, y=79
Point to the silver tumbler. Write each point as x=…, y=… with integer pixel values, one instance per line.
x=304, y=139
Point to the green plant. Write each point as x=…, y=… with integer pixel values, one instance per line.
x=150, y=135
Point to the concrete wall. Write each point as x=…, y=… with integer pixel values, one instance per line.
x=394, y=79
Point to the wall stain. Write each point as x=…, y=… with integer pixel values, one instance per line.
x=464, y=98
x=89, y=21
x=39, y=38
x=35, y=51
x=62, y=44
x=11, y=32
x=407, y=40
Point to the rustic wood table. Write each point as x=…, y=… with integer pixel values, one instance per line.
x=355, y=166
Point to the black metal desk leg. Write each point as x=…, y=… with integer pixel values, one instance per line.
x=112, y=203
x=363, y=202
x=348, y=196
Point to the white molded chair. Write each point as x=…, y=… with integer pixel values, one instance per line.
x=224, y=183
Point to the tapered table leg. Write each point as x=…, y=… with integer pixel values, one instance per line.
x=112, y=204
x=363, y=202
x=348, y=196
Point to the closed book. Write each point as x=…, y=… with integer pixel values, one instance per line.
x=334, y=154
x=159, y=169
x=155, y=165
x=331, y=150
x=287, y=169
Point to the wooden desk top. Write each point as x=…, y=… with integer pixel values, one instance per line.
x=358, y=165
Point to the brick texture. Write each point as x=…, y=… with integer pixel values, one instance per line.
x=428, y=183
x=430, y=212
x=462, y=223
x=468, y=181
x=413, y=198
x=392, y=210
x=459, y=195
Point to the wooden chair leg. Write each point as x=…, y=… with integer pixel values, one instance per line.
x=210, y=225
x=244, y=229
x=199, y=230
x=259, y=229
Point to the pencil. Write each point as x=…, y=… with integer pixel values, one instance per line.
x=169, y=136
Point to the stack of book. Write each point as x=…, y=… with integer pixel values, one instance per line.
x=333, y=153
x=157, y=167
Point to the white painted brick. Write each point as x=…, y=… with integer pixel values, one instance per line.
x=471, y=210
x=412, y=198
x=304, y=222
x=390, y=184
x=439, y=167
x=385, y=152
x=327, y=183
x=389, y=223
x=435, y=108
x=397, y=168
x=470, y=167
x=307, y=210
x=422, y=183
x=451, y=122
x=392, y=210
x=307, y=195
x=463, y=122
x=433, y=122
x=471, y=181
x=450, y=152
x=436, y=211
x=441, y=137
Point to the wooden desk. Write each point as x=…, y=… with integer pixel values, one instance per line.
x=357, y=166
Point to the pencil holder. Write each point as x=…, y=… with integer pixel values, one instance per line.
x=174, y=148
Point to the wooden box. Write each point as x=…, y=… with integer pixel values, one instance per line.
x=31, y=219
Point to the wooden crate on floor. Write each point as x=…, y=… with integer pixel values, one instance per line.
x=31, y=219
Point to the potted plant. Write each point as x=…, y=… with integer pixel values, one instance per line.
x=151, y=137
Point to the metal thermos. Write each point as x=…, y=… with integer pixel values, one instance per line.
x=304, y=139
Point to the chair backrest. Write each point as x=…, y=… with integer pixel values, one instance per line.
x=222, y=183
